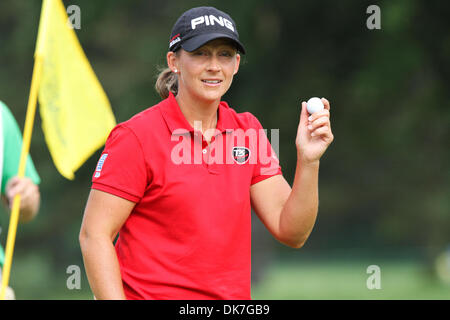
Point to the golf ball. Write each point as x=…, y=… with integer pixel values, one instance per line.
x=314, y=105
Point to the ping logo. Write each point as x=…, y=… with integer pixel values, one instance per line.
x=241, y=155
x=100, y=165
x=210, y=21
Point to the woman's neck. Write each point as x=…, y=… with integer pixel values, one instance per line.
x=195, y=110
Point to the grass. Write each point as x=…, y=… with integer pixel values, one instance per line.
x=347, y=280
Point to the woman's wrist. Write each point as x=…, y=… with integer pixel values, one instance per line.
x=313, y=163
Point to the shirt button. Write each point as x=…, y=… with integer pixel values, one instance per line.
x=204, y=151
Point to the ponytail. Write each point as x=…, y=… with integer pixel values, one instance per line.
x=167, y=82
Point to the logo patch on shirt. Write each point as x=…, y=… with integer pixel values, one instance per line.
x=100, y=165
x=241, y=155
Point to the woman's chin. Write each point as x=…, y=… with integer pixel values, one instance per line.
x=211, y=95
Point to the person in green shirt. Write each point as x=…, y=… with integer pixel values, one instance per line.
x=11, y=185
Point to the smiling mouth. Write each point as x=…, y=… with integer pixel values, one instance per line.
x=212, y=81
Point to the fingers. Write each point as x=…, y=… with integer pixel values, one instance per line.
x=316, y=115
x=29, y=197
x=321, y=128
x=304, y=113
x=326, y=104
x=29, y=191
x=12, y=188
x=320, y=122
x=23, y=186
x=320, y=131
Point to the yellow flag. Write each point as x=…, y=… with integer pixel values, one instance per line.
x=75, y=111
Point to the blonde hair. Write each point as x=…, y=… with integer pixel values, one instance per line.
x=166, y=82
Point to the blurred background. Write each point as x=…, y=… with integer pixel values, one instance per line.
x=384, y=182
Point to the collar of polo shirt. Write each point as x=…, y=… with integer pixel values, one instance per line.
x=178, y=125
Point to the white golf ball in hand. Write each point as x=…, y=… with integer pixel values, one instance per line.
x=314, y=105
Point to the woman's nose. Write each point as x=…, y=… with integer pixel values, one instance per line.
x=213, y=64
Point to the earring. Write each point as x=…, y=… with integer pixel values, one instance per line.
x=176, y=71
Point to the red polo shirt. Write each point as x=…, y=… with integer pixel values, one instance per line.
x=189, y=235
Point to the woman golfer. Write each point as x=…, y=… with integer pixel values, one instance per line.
x=177, y=181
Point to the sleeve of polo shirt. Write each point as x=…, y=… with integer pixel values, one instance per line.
x=121, y=169
x=12, y=147
x=267, y=164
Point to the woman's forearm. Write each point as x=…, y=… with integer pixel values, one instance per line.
x=300, y=210
x=102, y=267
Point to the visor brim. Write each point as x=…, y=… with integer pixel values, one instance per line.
x=196, y=42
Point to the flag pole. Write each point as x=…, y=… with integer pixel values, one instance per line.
x=27, y=132
x=14, y=219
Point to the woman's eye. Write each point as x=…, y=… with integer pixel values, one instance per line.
x=226, y=54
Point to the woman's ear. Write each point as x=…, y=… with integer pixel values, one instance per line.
x=172, y=61
x=238, y=60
